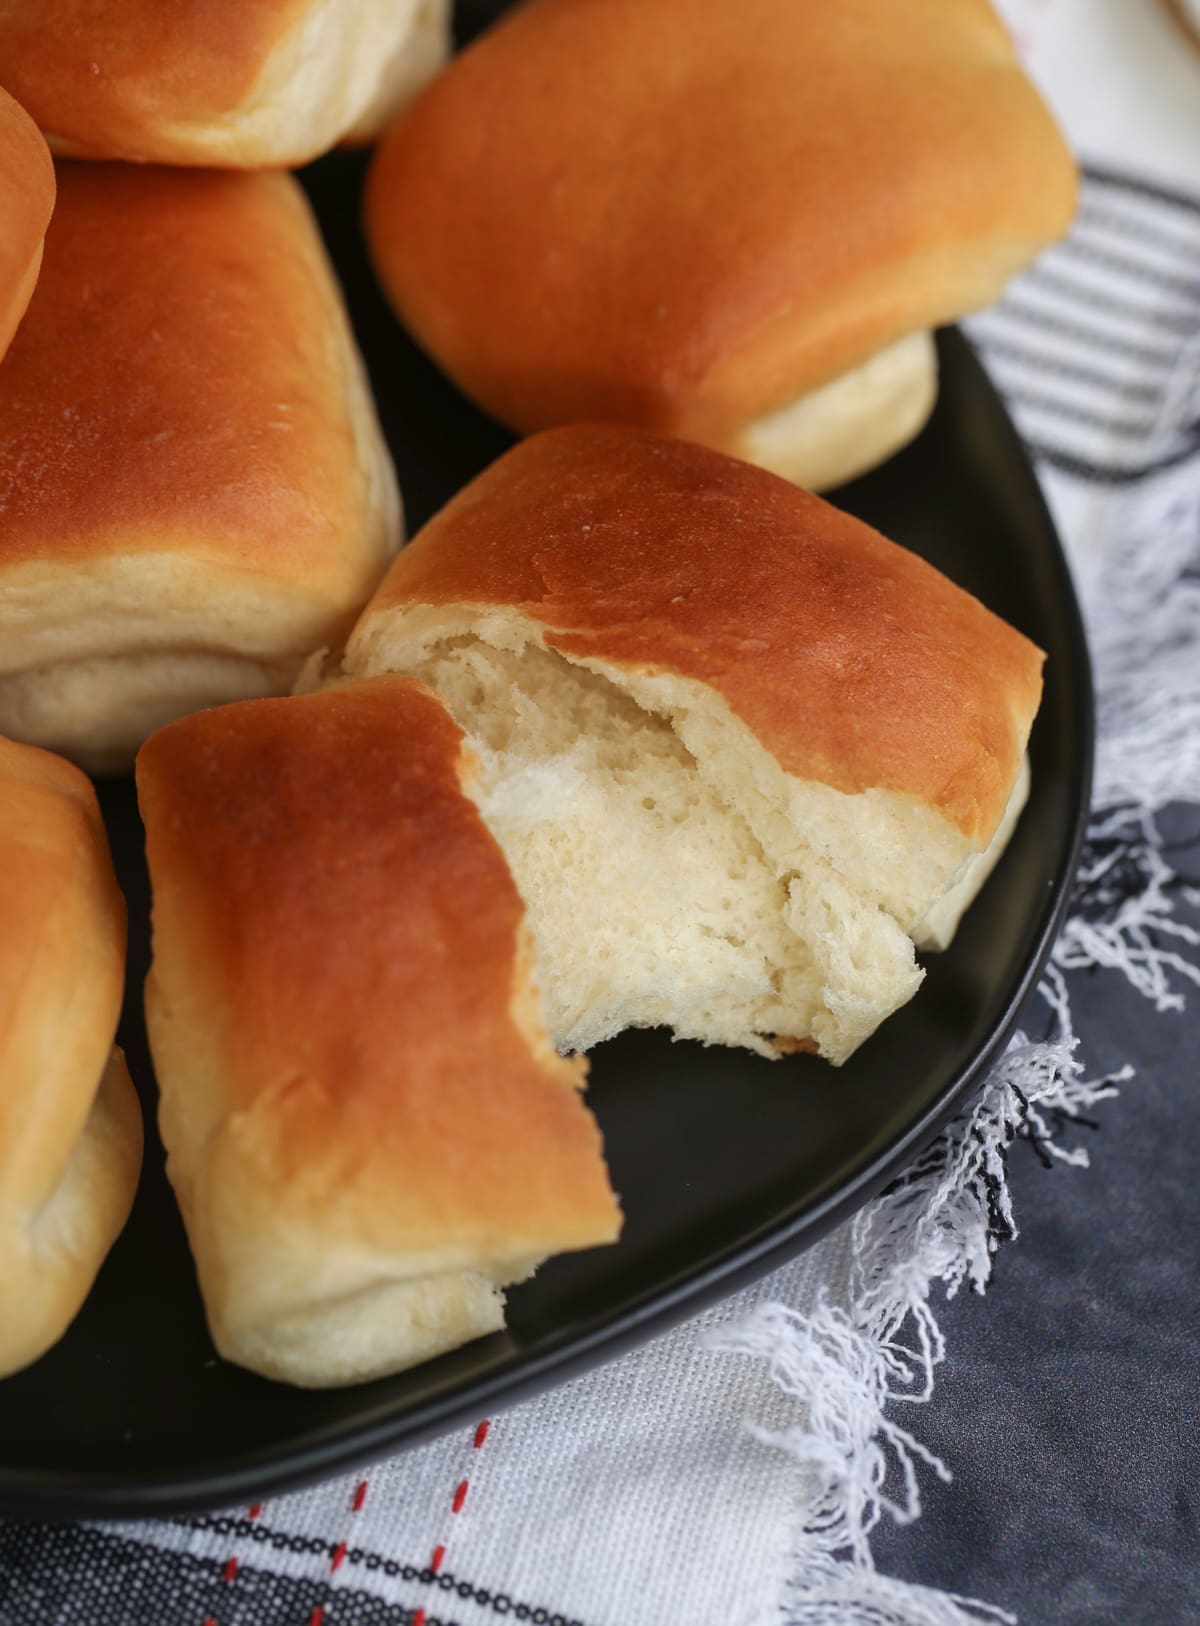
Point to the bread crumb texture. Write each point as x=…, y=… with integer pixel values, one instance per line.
x=651, y=897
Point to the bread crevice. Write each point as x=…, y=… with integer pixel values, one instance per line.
x=620, y=842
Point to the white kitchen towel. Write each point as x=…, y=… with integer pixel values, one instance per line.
x=730, y=1472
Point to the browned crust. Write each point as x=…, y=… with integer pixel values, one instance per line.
x=180, y=385
x=100, y=82
x=26, y=203
x=347, y=937
x=684, y=213
x=853, y=661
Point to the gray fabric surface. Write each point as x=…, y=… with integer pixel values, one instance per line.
x=1068, y=1406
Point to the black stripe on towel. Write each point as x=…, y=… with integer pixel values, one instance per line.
x=1076, y=293
x=1122, y=181
x=1106, y=474
x=51, y=1574
x=1080, y=246
x=1070, y=372
x=1019, y=313
x=1068, y=411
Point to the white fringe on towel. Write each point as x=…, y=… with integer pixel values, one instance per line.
x=847, y=1365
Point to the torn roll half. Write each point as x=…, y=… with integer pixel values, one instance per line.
x=367, y=1127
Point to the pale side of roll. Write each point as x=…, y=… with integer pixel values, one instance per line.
x=250, y=84
x=70, y=1125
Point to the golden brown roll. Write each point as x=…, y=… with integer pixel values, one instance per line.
x=733, y=223
x=741, y=751
x=366, y=1126
x=196, y=491
x=26, y=203
x=247, y=83
x=70, y=1125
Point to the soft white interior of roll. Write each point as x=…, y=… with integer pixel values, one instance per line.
x=936, y=929
x=894, y=850
x=98, y=711
x=852, y=423
x=650, y=898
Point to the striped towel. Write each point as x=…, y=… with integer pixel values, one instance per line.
x=1091, y=345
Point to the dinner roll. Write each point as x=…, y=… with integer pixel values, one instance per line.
x=196, y=492
x=26, y=203
x=366, y=1126
x=733, y=223
x=740, y=751
x=70, y=1126
x=247, y=83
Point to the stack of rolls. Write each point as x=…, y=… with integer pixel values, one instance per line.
x=196, y=494
x=197, y=491
x=634, y=733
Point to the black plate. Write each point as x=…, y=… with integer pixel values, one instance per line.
x=726, y=1164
